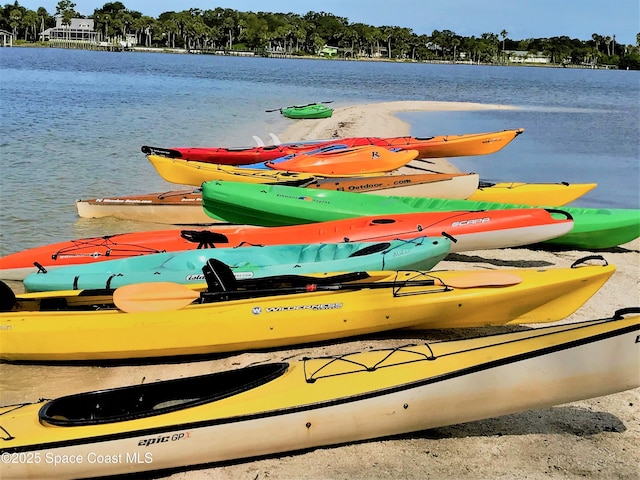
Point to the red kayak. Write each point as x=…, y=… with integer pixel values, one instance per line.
x=427, y=147
x=468, y=230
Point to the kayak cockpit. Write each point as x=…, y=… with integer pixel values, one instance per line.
x=145, y=400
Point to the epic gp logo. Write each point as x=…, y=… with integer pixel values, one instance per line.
x=147, y=442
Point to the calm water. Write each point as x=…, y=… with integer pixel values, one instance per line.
x=72, y=123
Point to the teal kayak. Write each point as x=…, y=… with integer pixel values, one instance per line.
x=275, y=205
x=313, y=110
x=186, y=267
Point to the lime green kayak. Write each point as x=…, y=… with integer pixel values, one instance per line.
x=314, y=110
x=273, y=205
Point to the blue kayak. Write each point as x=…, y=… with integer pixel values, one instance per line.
x=421, y=253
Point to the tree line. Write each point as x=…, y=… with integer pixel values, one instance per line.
x=227, y=29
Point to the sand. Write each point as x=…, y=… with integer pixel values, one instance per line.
x=594, y=438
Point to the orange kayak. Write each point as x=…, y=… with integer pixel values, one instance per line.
x=428, y=147
x=347, y=161
x=472, y=230
x=465, y=145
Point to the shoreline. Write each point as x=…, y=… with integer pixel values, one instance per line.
x=379, y=120
x=594, y=438
x=248, y=54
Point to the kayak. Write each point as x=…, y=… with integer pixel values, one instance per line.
x=245, y=262
x=464, y=145
x=186, y=172
x=184, y=207
x=177, y=207
x=189, y=172
x=319, y=401
x=440, y=185
x=345, y=161
x=311, y=111
x=470, y=144
x=272, y=205
x=161, y=320
x=471, y=231
x=534, y=194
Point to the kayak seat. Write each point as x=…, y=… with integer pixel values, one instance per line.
x=378, y=247
x=139, y=401
x=7, y=297
x=219, y=276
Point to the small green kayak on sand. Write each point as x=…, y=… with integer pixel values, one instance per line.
x=313, y=110
x=274, y=205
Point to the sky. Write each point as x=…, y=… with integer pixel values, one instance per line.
x=522, y=19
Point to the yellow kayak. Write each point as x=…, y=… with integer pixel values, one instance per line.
x=160, y=320
x=271, y=408
x=533, y=194
x=185, y=172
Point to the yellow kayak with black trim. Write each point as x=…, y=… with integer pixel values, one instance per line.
x=170, y=320
x=187, y=172
x=270, y=408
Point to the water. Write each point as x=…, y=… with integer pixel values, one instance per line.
x=72, y=123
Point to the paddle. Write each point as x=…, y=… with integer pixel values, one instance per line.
x=159, y=296
x=297, y=106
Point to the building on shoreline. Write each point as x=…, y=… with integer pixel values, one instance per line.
x=6, y=38
x=80, y=29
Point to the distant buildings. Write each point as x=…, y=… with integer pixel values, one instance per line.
x=522, y=56
x=6, y=38
x=80, y=29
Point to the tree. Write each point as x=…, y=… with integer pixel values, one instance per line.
x=503, y=34
x=607, y=42
x=455, y=42
x=15, y=20
x=30, y=23
x=490, y=47
x=66, y=10
x=44, y=17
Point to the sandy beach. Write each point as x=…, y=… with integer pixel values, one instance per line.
x=593, y=438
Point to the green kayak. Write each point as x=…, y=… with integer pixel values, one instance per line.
x=313, y=110
x=273, y=205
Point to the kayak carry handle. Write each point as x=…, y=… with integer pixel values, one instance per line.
x=620, y=313
x=164, y=152
x=588, y=258
x=40, y=268
x=561, y=212
x=450, y=237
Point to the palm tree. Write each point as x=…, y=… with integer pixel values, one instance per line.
x=455, y=42
x=388, y=33
x=15, y=20
x=44, y=16
x=503, y=34
x=607, y=41
x=30, y=23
